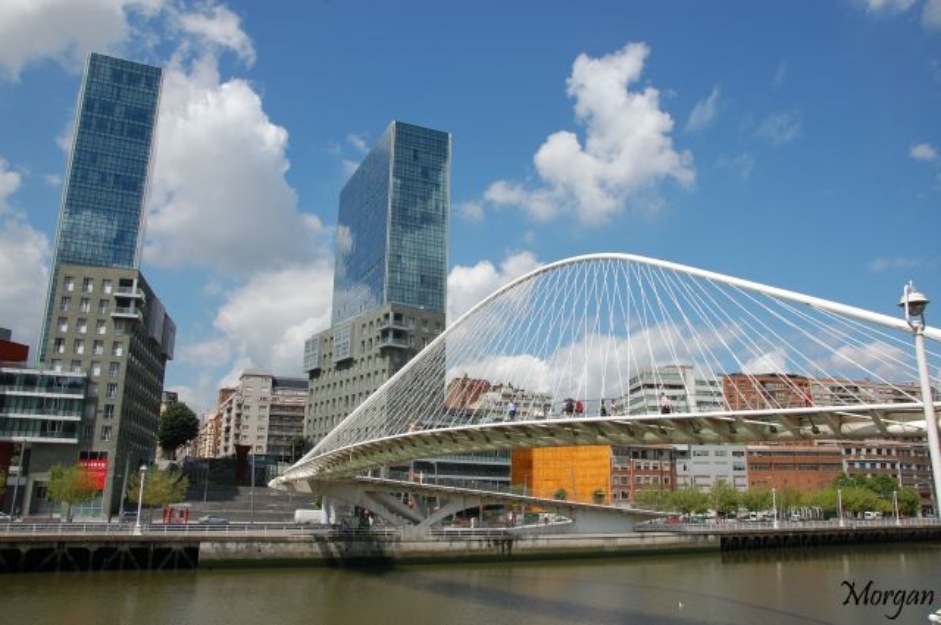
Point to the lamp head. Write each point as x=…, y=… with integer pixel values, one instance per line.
x=913, y=302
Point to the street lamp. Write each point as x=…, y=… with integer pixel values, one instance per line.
x=895, y=504
x=140, y=499
x=774, y=506
x=839, y=504
x=914, y=304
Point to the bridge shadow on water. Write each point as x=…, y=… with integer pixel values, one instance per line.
x=571, y=607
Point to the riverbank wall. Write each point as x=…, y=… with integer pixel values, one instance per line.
x=366, y=549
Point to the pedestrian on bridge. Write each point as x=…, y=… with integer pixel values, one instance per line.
x=511, y=410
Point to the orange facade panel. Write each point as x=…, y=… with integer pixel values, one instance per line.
x=581, y=473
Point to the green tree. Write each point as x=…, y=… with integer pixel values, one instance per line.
x=724, y=498
x=299, y=446
x=598, y=496
x=756, y=498
x=690, y=500
x=71, y=485
x=652, y=499
x=161, y=488
x=909, y=501
x=178, y=426
x=560, y=495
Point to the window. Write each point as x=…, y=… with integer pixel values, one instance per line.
x=117, y=348
x=103, y=306
x=112, y=390
x=95, y=369
x=79, y=346
x=109, y=411
x=59, y=346
x=69, y=283
x=88, y=285
x=106, y=432
x=64, y=304
x=87, y=432
x=82, y=326
x=56, y=364
x=98, y=348
x=63, y=324
x=114, y=369
x=76, y=366
x=106, y=286
x=84, y=305
x=101, y=326
x=119, y=327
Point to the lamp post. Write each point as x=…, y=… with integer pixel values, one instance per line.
x=914, y=304
x=774, y=507
x=140, y=499
x=839, y=504
x=895, y=504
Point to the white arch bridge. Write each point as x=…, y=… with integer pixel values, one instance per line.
x=652, y=352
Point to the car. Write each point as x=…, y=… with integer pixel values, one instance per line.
x=211, y=519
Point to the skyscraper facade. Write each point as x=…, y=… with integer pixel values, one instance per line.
x=389, y=294
x=102, y=317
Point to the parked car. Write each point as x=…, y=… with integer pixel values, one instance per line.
x=211, y=519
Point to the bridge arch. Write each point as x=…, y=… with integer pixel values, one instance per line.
x=735, y=359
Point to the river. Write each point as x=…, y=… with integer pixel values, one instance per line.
x=769, y=588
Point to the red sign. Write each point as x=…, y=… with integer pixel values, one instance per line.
x=97, y=472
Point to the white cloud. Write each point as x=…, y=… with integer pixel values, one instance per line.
x=704, y=113
x=220, y=198
x=900, y=262
x=888, y=6
x=467, y=286
x=931, y=17
x=359, y=142
x=219, y=26
x=63, y=30
x=769, y=362
x=627, y=146
x=780, y=75
x=741, y=164
x=471, y=211
x=24, y=261
x=923, y=152
x=781, y=128
x=267, y=319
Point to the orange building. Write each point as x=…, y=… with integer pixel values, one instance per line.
x=582, y=473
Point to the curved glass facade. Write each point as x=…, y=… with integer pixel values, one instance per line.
x=393, y=224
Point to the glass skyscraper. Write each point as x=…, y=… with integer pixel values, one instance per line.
x=102, y=215
x=392, y=225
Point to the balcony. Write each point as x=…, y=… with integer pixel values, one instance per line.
x=127, y=312
x=132, y=292
x=394, y=342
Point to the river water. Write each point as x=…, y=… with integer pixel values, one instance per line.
x=769, y=588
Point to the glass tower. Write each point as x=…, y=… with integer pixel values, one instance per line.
x=102, y=215
x=392, y=225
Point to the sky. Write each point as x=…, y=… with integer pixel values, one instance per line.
x=794, y=144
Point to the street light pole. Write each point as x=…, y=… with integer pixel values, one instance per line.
x=140, y=499
x=914, y=303
x=774, y=506
x=895, y=504
x=839, y=504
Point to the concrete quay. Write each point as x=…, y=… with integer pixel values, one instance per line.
x=104, y=547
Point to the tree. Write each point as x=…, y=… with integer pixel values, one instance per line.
x=652, y=499
x=909, y=501
x=161, y=488
x=71, y=485
x=725, y=499
x=756, y=498
x=299, y=446
x=178, y=426
x=690, y=500
x=598, y=496
x=560, y=495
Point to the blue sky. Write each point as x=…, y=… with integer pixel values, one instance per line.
x=794, y=144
